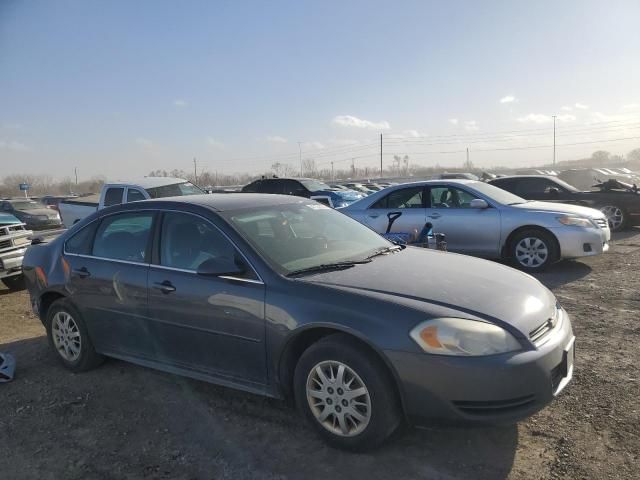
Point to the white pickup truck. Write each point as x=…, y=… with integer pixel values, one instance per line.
x=75, y=209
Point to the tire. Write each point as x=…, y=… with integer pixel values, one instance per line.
x=616, y=216
x=367, y=419
x=533, y=250
x=70, y=341
x=14, y=283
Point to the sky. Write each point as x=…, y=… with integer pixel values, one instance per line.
x=119, y=88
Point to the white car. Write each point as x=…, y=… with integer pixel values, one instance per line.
x=483, y=220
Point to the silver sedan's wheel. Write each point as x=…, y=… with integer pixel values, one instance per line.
x=531, y=252
x=338, y=398
x=66, y=336
x=615, y=216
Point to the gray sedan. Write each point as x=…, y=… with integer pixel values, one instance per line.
x=486, y=221
x=284, y=297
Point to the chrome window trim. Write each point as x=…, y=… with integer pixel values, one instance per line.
x=157, y=210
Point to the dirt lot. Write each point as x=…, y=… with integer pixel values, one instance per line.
x=124, y=421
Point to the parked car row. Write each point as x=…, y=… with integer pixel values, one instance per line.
x=14, y=240
x=285, y=297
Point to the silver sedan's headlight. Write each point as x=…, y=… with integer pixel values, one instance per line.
x=461, y=337
x=576, y=221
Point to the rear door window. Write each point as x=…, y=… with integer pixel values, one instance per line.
x=123, y=237
x=113, y=196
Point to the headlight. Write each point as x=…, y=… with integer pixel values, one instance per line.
x=460, y=337
x=575, y=221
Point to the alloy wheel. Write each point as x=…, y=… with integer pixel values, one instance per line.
x=66, y=336
x=531, y=252
x=615, y=216
x=338, y=398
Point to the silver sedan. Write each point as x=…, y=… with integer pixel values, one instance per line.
x=483, y=220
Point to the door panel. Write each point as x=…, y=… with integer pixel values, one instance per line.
x=468, y=230
x=206, y=323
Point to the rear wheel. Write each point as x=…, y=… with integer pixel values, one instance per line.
x=14, y=283
x=615, y=216
x=533, y=250
x=346, y=393
x=68, y=337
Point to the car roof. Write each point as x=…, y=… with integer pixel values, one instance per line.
x=507, y=177
x=149, y=182
x=221, y=202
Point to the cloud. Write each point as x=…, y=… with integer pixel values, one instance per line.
x=13, y=146
x=212, y=142
x=406, y=134
x=631, y=106
x=144, y=142
x=582, y=106
x=508, y=99
x=453, y=121
x=351, y=121
x=541, y=118
x=471, y=126
x=180, y=103
x=566, y=108
x=315, y=144
x=276, y=139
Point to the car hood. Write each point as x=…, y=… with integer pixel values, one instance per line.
x=49, y=213
x=471, y=286
x=562, y=208
x=8, y=219
x=344, y=195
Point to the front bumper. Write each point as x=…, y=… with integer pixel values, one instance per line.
x=11, y=262
x=582, y=242
x=493, y=389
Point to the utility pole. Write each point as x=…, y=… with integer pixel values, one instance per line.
x=353, y=167
x=380, y=155
x=195, y=171
x=466, y=166
x=332, y=175
x=554, y=140
x=300, y=150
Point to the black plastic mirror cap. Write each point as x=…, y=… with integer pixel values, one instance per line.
x=217, y=268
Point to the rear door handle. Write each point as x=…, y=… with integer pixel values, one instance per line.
x=164, y=287
x=374, y=216
x=82, y=272
x=434, y=215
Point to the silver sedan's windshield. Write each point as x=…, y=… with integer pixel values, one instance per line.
x=294, y=237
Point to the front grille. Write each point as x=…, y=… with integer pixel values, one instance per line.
x=492, y=407
x=601, y=222
x=5, y=244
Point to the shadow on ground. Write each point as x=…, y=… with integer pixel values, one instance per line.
x=125, y=421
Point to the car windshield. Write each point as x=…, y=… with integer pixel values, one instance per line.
x=26, y=205
x=497, y=194
x=315, y=185
x=175, y=190
x=293, y=237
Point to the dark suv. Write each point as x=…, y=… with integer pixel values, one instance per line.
x=303, y=187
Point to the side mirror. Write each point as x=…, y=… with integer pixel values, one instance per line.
x=218, y=267
x=479, y=203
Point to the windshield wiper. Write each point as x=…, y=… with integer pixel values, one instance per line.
x=328, y=266
x=385, y=250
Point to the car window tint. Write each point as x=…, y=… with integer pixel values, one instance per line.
x=123, y=236
x=187, y=241
x=80, y=242
x=293, y=187
x=450, y=197
x=134, y=195
x=402, y=198
x=271, y=186
x=113, y=196
x=252, y=187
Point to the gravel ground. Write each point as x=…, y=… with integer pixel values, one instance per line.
x=124, y=421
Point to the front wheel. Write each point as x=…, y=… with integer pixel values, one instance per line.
x=615, y=216
x=346, y=393
x=533, y=250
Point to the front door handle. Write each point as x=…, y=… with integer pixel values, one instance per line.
x=164, y=287
x=434, y=215
x=374, y=216
x=82, y=272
